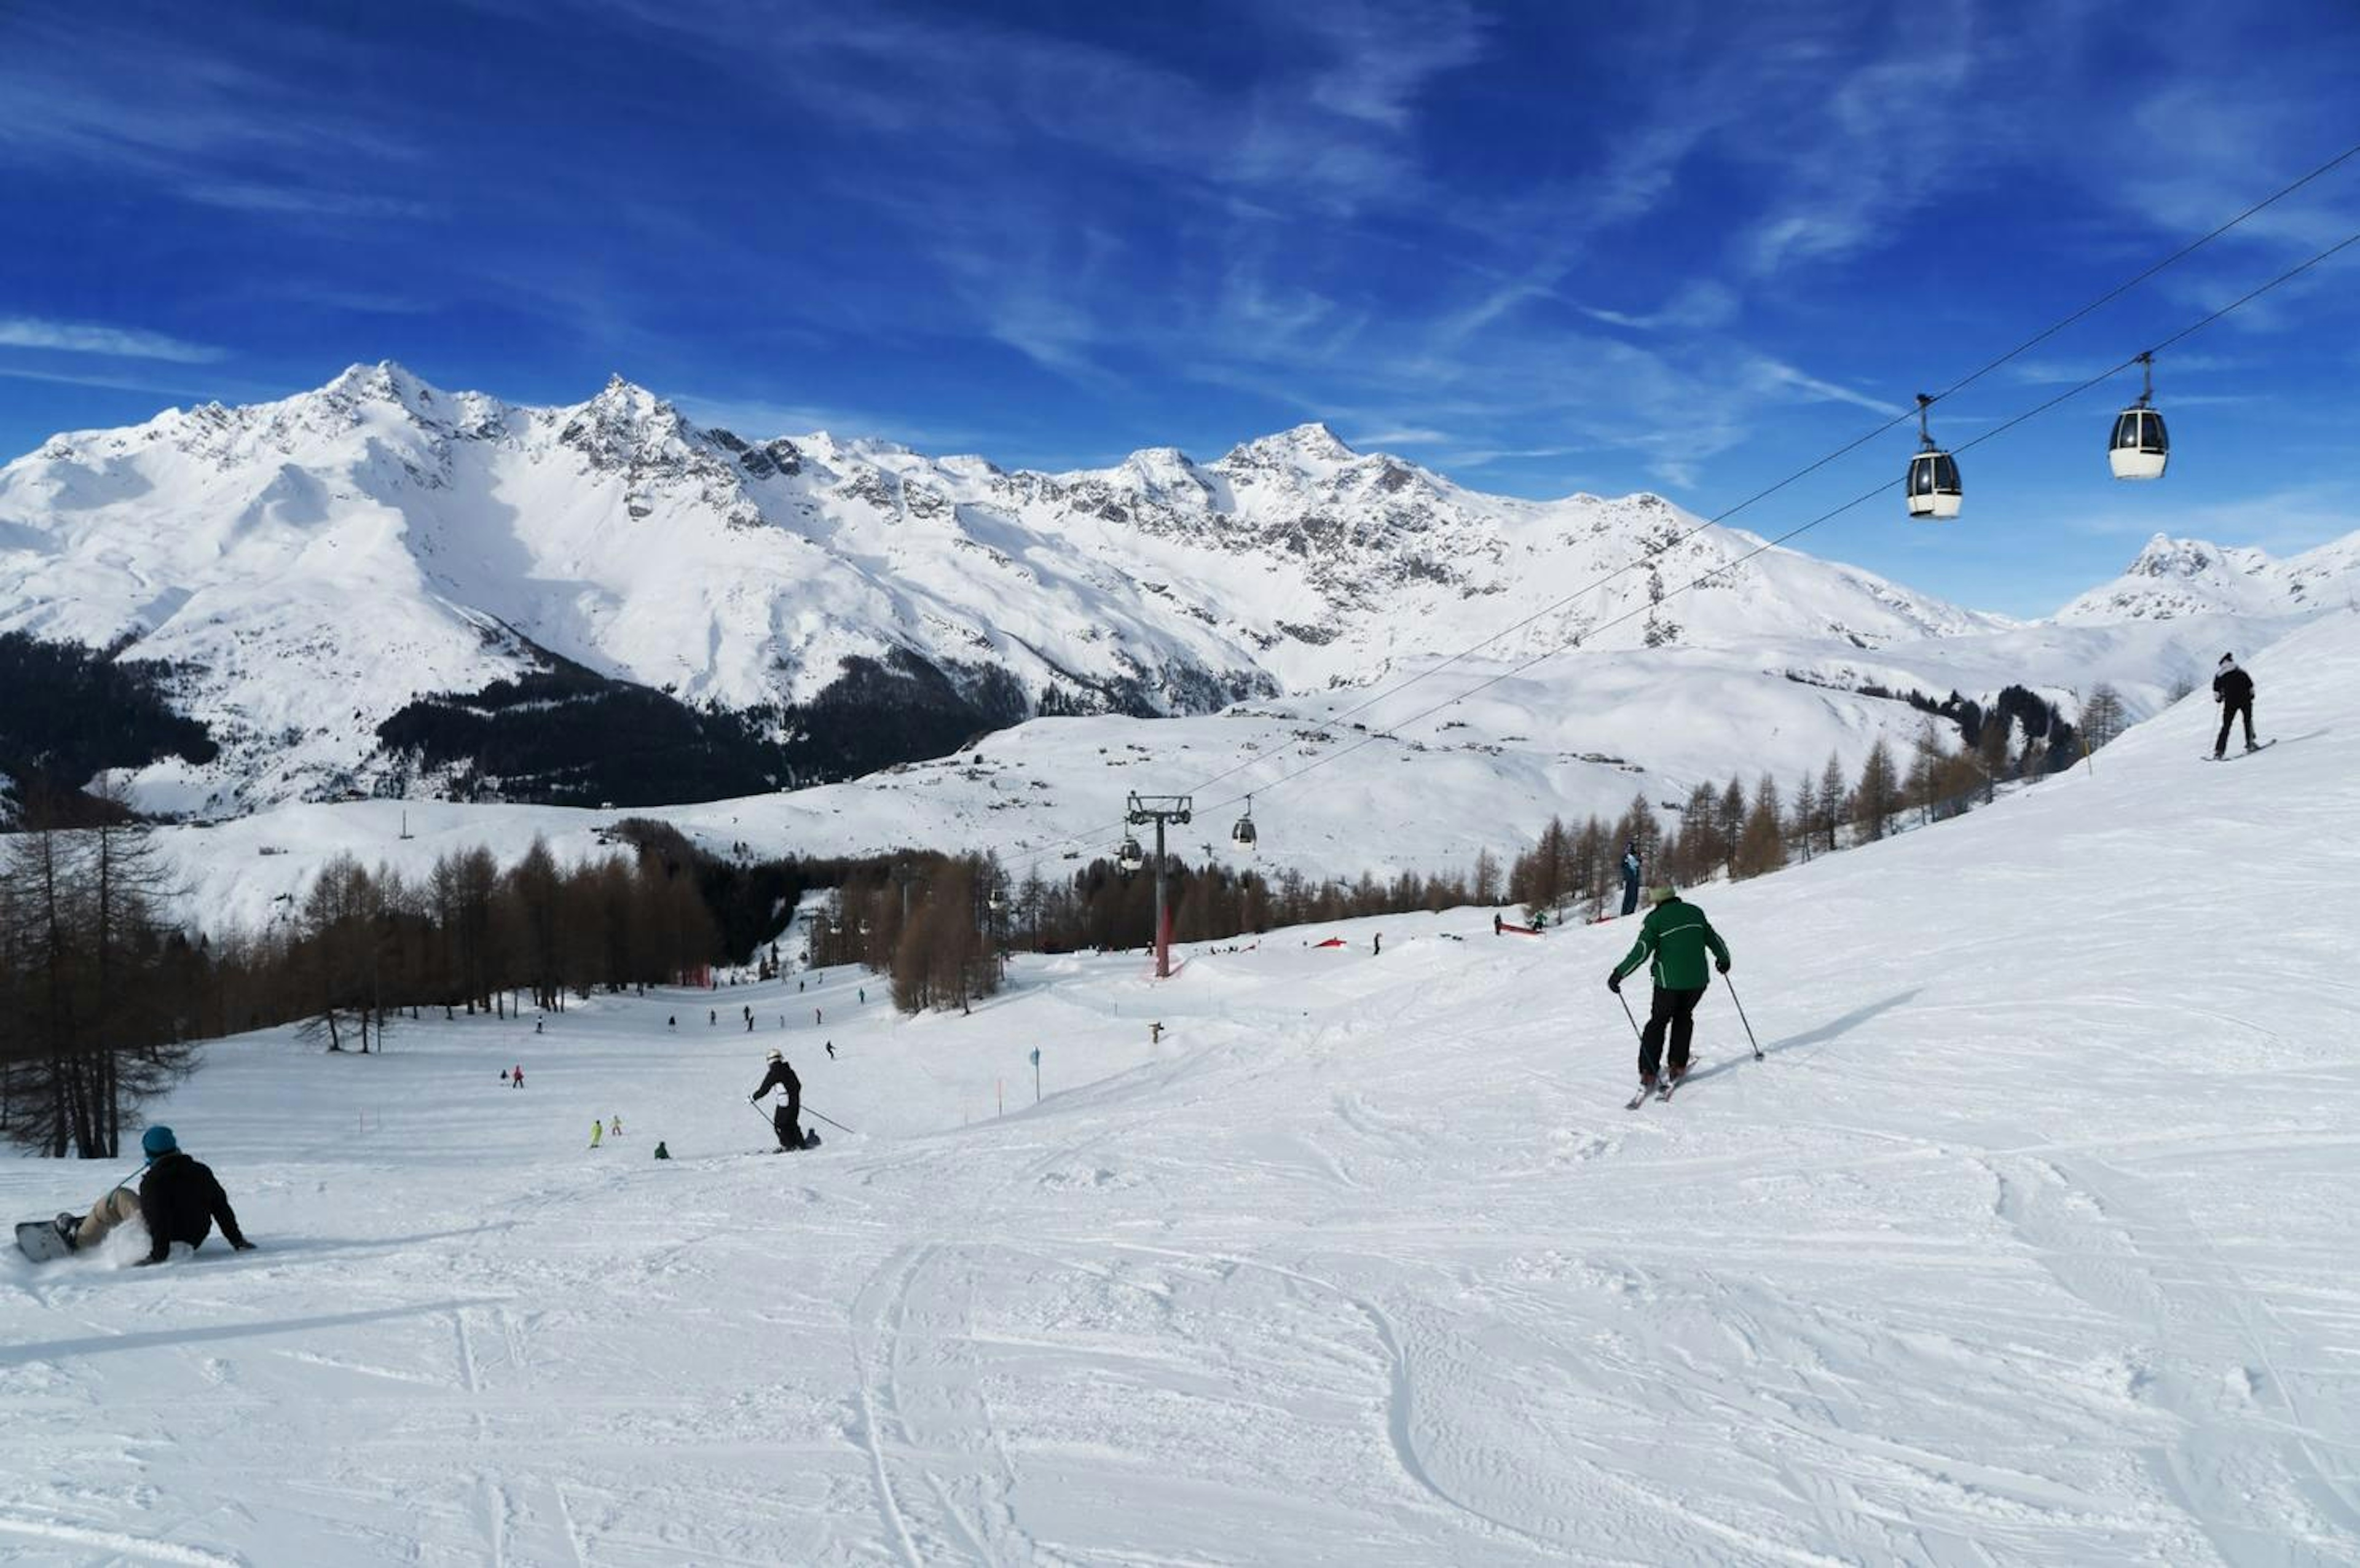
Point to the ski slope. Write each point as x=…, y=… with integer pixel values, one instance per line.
x=2029, y=1242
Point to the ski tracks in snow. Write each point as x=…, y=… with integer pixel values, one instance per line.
x=924, y=1419
x=2211, y=1350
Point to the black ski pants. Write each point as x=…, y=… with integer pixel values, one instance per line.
x=2229, y=712
x=1675, y=1010
x=787, y=1121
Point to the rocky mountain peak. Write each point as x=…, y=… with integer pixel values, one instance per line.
x=627, y=426
x=1310, y=447
x=388, y=381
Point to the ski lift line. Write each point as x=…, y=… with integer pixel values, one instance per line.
x=1926, y=401
x=1858, y=441
x=1649, y=556
x=1389, y=733
x=1883, y=488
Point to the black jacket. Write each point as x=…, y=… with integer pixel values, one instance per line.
x=180, y=1202
x=781, y=1077
x=2232, y=686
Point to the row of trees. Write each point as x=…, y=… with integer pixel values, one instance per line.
x=102, y=996
x=1734, y=832
x=96, y=986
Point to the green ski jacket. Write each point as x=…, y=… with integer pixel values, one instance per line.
x=1675, y=934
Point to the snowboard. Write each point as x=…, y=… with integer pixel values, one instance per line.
x=41, y=1241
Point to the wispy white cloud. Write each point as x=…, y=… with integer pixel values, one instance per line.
x=2285, y=521
x=1770, y=377
x=1699, y=305
x=115, y=383
x=757, y=419
x=119, y=343
x=303, y=201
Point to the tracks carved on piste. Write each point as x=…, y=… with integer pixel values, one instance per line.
x=944, y=1480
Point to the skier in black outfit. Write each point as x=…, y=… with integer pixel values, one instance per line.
x=180, y=1200
x=2234, y=690
x=1631, y=876
x=787, y=1120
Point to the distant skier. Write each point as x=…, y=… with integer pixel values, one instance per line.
x=1496, y=922
x=1630, y=876
x=831, y=1050
x=1676, y=935
x=787, y=1120
x=661, y=1152
x=615, y=1128
x=816, y=1021
x=504, y=1075
x=2234, y=690
x=1377, y=945
x=712, y=1017
x=863, y=996
x=596, y=1126
x=672, y=1022
x=516, y=1077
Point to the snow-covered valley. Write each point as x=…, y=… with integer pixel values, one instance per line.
x=2027, y=1241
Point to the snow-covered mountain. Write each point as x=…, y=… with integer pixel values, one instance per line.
x=312, y=569
x=2173, y=578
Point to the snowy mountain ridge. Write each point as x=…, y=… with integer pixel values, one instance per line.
x=2177, y=577
x=312, y=567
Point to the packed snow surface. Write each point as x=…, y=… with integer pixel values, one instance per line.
x=2028, y=1242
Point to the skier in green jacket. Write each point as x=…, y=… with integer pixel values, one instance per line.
x=1677, y=936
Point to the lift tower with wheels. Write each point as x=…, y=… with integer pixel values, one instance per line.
x=1159, y=810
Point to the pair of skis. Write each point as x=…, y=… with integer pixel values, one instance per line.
x=1660, y=1090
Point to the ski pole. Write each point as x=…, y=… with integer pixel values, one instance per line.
x=1740, y=1016
x=1632, y=1016
x=829, y=1120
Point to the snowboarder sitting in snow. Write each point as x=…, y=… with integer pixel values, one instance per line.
x=178, y=1196
x=787, y=1120
x=1676, y=935
x=2234, y=690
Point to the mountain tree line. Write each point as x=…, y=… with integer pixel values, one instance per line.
x=96, y=986
x=103, y=997
x=1736, y=831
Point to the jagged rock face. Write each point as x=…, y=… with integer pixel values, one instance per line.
x=315, y=565
x=2175, y=578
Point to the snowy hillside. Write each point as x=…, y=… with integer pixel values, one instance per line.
x=312, y=567
x=2189, y=577
x=1388, y=794
x=2029, y=1242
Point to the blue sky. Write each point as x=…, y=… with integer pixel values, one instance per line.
x=1539, y=248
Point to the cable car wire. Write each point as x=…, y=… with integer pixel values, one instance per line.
x=1391, y=731
x=1057, y=847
